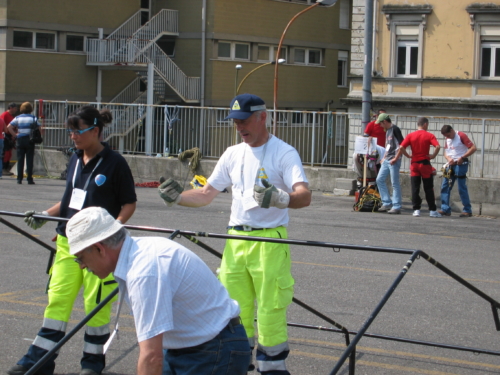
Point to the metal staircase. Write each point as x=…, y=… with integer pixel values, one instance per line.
x=126, y=119
x=133, y=45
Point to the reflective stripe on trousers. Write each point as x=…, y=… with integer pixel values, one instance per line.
x=66, y=280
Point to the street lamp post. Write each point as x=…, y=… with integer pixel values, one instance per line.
x=324, y=3
x=238, y=67
x=280, y=61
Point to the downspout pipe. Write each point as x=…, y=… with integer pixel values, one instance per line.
x=202, y=79
x=367, y=71
x=374, y=36
x=203, y=49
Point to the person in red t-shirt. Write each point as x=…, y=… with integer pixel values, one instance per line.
x=421, y=168
x=375, y=130
x=372, y=130
x=7, y=117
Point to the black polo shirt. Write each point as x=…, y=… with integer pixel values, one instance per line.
x=111, y=184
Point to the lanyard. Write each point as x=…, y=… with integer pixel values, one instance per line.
x=91, y=173
x=258, y=170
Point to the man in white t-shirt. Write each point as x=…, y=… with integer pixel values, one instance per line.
x=177, y=302
x=267, y=178
x=457, y=149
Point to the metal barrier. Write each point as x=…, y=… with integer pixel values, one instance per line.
x=351, y=344
x=485, y=133
x=321, y=138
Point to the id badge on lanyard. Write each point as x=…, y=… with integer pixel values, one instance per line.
x=78, y=195
x=77, y=199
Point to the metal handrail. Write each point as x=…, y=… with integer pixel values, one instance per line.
x=141, y=52
x=128, y=28
x=164, y=22
x=129, y=94
x=186, y=87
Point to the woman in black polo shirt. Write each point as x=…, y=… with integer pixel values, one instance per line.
x=97, y=176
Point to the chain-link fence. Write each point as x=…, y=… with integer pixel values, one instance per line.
x=485, y=133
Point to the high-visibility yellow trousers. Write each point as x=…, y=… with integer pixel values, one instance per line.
x=260, y=271
x=65, y=282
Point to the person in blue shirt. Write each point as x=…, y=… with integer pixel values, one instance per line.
x=20, y=128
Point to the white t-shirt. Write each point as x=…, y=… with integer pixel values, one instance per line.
x=238, y=168
x=172, y=291
x=458, y=146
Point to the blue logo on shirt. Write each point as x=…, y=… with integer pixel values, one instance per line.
x=100, y=179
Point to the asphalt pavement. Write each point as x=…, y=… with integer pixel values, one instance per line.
x=344, y=284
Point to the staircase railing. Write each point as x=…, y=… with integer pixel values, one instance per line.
x=125, y=120
x=115, y=51
x=129, y=94
x=165, y=21
x=138, y=47
x=186, y=87
x=159, y=85
x=128, y=28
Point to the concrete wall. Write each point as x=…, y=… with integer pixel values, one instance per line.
x=484, y=193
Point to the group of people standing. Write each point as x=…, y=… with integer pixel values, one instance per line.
x=458, y=148
x=187, y=321
x=17, y=130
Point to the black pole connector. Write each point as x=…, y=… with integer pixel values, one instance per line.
x=494, y=309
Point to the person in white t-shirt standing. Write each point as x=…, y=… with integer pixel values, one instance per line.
x=458, y=148
x=267, y=178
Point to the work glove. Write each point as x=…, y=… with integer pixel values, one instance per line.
x=270, y=196
x=32, y=222
x=170, y=191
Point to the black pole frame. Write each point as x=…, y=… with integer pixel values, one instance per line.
x=351, y=345
x=33, y=238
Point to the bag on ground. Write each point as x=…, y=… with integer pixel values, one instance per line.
x=368, y=199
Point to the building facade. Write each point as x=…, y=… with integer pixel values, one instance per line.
x=438, y=58
x=100, y=51
x=42, y=48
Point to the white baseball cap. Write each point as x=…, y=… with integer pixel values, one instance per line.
x=89, y=226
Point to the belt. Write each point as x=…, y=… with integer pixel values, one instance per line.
x=234, y=321
x=424, y=162
x=245, y=228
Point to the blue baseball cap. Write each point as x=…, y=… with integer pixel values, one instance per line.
x=244, y=105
